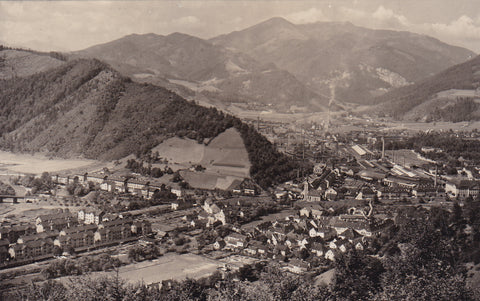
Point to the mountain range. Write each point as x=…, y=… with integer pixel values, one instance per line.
x=199, y=67
x=361, y=63
x=280, y=64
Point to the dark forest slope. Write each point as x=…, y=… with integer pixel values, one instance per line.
x=86, y=108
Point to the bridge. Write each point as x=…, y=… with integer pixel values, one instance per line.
x=14, y=198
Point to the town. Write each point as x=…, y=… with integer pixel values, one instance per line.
x=353, y=198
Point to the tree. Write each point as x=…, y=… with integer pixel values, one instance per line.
x=357, y=276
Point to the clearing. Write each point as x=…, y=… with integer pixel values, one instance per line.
x=225, y=159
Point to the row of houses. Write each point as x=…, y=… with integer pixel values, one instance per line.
x=39, y=245
x=118, y=184
x=463, y=188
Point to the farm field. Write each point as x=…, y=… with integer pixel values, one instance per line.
x=169, y=266
x=224, y=158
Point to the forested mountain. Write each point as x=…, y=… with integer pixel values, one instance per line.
x=363, y=62
x=211, y=70
x=449, y=95
x=84, y=107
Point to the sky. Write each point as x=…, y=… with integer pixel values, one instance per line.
x=75, y=25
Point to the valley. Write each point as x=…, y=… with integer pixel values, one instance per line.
x=291, y=158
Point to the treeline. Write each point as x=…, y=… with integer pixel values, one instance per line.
x=53, y=54
x=140, y=253
x=138, y=167
x=452, y=147
x=465, y=109
x=82, y=265
x=6, y=189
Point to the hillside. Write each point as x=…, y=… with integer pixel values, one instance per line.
x=86, y=108
x=23, y=63
x=211, y=70
x=363, y=62
x=443, y=96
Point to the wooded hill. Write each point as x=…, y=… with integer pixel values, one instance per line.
x=84, y=107
x=400, y=101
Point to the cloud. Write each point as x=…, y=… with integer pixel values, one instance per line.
x=464, y=27
x=387, y=17
x=311, y=15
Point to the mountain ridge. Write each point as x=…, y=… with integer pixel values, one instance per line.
x=431, y=98
x=151, y=58
x=328, y=50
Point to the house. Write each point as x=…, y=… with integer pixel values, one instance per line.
x=331, y=194
x=77, y=240
x=252, y=247
x=13, y=232
x=32, y=249
x=427, y=191
x=282, y=250
x=297, y=266
x=331, y=254
x=366, y=193
x=235, y=240
x=57, y=220
x=141, y=227
x=112, y=234
x=317, y=249
x=359, y=246
x=463, y=189
x=93, y=216
x=219, y=244
x=177, y=190
x=78, y=229
x=37, y=236
x=392, y=193
x=117, y=184
x=96, y=178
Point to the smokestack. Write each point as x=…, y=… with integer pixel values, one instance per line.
x=383, y=149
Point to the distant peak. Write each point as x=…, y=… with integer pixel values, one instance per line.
x=277, y=21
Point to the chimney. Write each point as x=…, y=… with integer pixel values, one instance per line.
x=383, y=149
